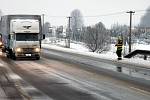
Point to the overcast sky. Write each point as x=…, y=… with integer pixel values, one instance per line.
x=87, y=8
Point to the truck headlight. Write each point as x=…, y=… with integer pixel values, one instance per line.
x=18, y=49
x=1, y=43
x=37, y=49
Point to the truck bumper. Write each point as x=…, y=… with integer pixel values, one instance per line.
x=27, y=55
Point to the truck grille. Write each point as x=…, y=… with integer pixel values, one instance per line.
x=28, y=50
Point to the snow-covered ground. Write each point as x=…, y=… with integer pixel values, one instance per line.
x=80, y=48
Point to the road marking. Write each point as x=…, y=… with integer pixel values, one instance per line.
x=143, y=92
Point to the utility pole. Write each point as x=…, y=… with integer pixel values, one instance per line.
x=43, y=23
x=131, y=12
x=41, y=35
x=69, y=32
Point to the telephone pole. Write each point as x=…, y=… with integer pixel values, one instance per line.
x=131, y=12
x=69, y=32
x=41, y=35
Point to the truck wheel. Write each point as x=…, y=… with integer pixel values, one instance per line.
x=13, y=56
x=37, y=58
x=8, y=56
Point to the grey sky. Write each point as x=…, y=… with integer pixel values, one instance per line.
x=87, y=7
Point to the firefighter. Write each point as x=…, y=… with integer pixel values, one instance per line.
x=119, y=48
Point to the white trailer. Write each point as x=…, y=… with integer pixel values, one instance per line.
x=22, y=35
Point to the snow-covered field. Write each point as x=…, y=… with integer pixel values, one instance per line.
x=79, y=47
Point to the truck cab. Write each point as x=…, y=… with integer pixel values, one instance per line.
x=24, y=38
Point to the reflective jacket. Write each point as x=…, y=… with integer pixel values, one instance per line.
x=119, y=46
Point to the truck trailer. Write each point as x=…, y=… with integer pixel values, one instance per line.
x=22, y=35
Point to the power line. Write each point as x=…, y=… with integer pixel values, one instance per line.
x=109, y=14
x=58, y=16
x=142, y=10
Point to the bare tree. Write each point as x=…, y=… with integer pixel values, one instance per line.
x=145, y=20
x=1, y=13
x=103, y=37
x=47, y=29
x=120, y=30
x=144, y=27
x=76, y=24
x=91, y=38
x=59, y=31
x=97, y=37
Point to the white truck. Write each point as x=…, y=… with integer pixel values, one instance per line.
x=22, y=35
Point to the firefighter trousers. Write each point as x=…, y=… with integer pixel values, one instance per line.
x=119, y=54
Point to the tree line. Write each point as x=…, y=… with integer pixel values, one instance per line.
x=96, y=37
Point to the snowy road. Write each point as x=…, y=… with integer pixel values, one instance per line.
x=61, y=80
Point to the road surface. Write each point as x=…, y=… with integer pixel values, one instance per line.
x=56, y=78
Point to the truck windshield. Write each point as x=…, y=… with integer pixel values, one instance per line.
x=26, y=37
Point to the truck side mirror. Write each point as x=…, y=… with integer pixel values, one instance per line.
x=43, y=36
